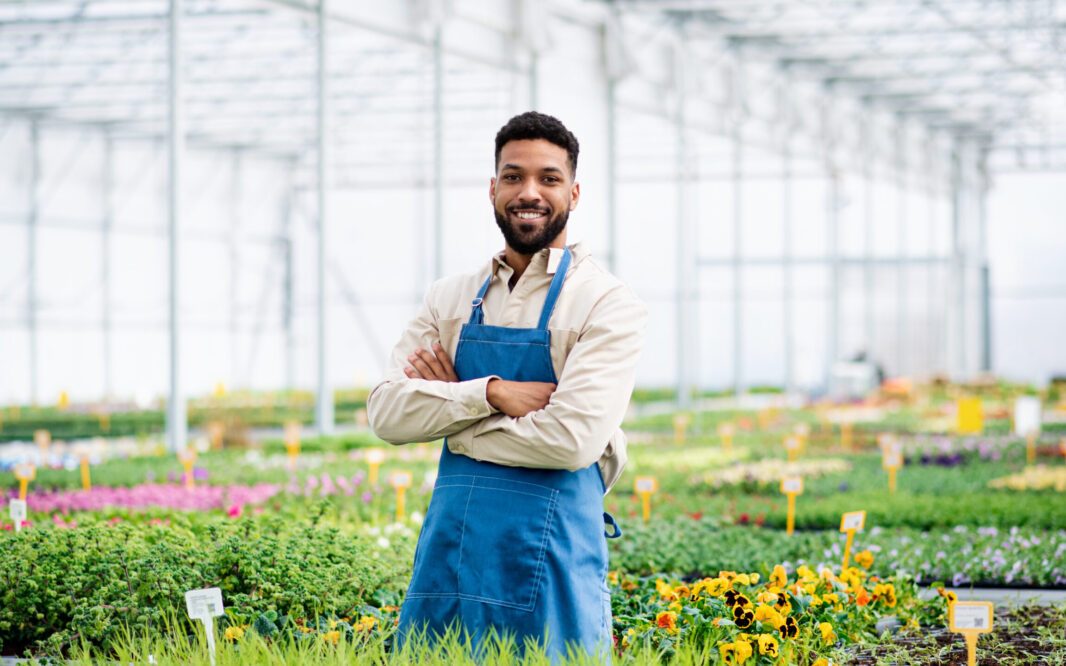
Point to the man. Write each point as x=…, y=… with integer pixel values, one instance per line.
x=545, y=346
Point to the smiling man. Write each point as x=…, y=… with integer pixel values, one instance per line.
x=545, y=346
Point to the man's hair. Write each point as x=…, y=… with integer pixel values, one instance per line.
x=533, y=125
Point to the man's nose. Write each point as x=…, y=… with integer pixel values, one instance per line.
x=529, y=191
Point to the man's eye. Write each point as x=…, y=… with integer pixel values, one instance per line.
x=551, y=179
x=510, y=177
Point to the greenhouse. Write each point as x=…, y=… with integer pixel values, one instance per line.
x=802, y=335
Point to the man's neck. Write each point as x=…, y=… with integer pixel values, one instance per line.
x=520, y=262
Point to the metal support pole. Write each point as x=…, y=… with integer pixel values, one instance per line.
x=868, y=224
x=683, y=259
x=933, y=331
x=324, y=392
x=612, y=177
x=287, y=302
x=832, y=217
x=789, y=295
x=32, y=221
x=534, y=90
x=738, y=217
x=986, y=286
x=108, y=187
x=956, y=309
x=236, y=207
x=902, y=364
x=177, y=424
x=438, y=156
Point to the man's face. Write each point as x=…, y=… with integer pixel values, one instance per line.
x=532, y=194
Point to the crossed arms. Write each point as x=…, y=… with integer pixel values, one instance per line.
x=524, y=424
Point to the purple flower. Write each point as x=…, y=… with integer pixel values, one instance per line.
x=367, y=497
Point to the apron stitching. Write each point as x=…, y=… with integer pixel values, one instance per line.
x=543, y=548
x=459, y=564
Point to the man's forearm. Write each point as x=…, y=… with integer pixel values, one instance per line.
x=416, y=410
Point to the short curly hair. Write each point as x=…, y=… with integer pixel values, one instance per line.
x=534, y=125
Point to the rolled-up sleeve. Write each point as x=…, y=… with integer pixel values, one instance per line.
x=404, y=410
x=588, y=405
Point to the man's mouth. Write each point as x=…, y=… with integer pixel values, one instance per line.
x=527, y=214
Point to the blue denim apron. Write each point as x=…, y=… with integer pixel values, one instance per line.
x=510, y=550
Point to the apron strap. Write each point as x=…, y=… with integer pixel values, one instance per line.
x=554, y=289
x=609, y=520
x=477, y=316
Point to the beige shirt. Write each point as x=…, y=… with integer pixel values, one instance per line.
x=597, y=332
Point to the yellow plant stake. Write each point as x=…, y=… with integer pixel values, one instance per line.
x=726, y=431
x=892, y=460
x=215, y=432
x=846, y=440
x=1030, y=448
x=374, y=458
x=187, y=457
x=791, y=486
x=105, y=421
x=645, y=486
x=970, y=418
x=42, y=438
x=851, y=523
x=971, y=619
x=681, y=421
x=401, y=481
x=64, y=400
x=25, y=473
x=803, y=433
x=292, y=442
x=86, y=482
x=792, y=445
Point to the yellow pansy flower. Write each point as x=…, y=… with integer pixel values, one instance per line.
x=865, y=559
x=827, y=633
x=768, y=645
x=234, y=634
x=779, y=578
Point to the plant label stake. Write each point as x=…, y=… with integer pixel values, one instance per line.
x=1027, y=419
x=726, y=431
x=803, y=432
x=215, y=431
x=845, y=437
x=851, y=523
x=42, y=438
x=892, y=460
x=25, y=473
x=187, y=458
x=206, y=605
x=971, y=619
x=970, y=418
x=792, y=445
x=645, y=486
x=374, y=458
x=681, y=421
x=292, y=441
x=791, y=486
x=86, y=482
x=18, y=512
x=401, y=481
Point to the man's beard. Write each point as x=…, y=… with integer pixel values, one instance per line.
x=538, y=242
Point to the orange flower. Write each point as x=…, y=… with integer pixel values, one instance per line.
x=667, y=620
x=862, y=597
x=865, y=559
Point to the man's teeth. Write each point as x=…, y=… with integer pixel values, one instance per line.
x=524, y=215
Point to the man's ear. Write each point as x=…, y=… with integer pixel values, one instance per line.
x=575, y=194
x=492, y=191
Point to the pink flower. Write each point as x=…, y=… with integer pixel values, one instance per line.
x=235, y=510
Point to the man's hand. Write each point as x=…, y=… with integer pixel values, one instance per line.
x=426, y=365
x=518, y=398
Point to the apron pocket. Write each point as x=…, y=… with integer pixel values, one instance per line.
x=437, y=554
x=504, y=540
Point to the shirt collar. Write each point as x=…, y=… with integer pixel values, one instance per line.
x=544, y=261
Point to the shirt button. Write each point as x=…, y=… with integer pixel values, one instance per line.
x=457, y=448
x=473, y=411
